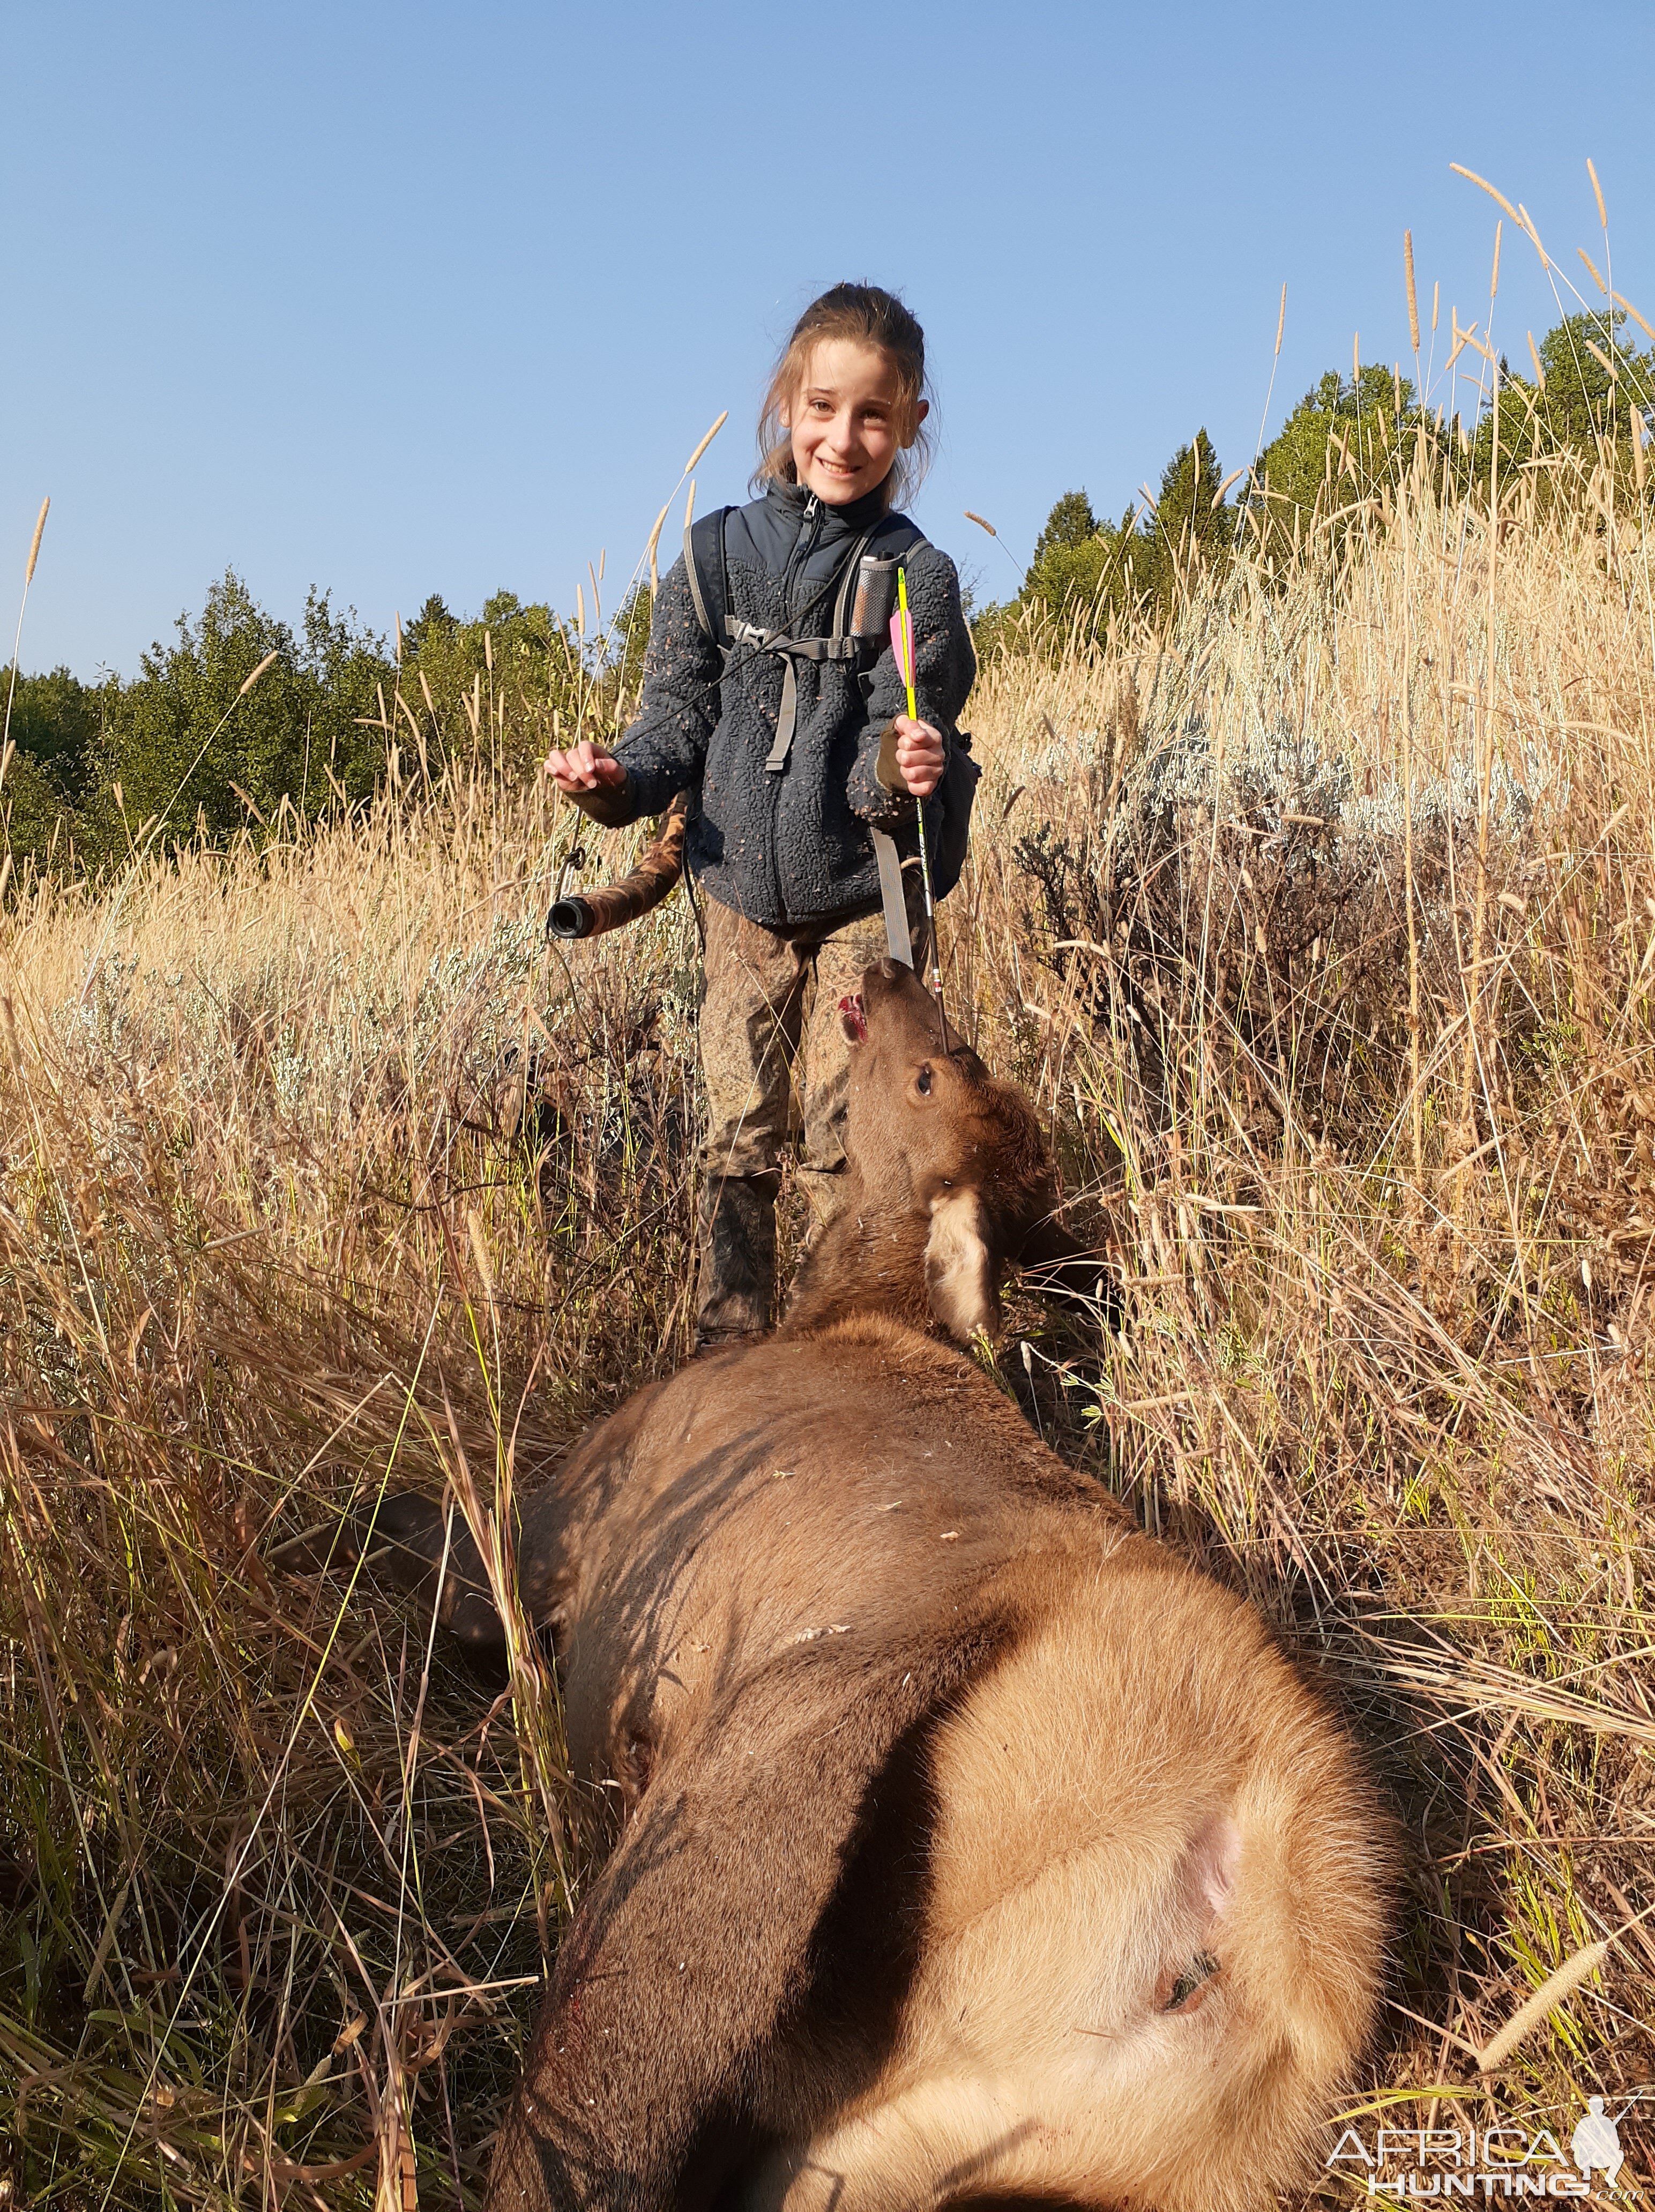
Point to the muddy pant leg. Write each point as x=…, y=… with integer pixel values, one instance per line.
x=841, y=960
x=749, y=1032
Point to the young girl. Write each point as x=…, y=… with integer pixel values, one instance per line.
x=781, y=715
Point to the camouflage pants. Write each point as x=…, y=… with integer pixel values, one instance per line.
x=771, y=1002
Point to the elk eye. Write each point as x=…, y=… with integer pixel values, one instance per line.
x=922, y=1082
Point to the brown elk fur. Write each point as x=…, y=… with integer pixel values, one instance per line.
x=973, y=1848
x=945, y=1184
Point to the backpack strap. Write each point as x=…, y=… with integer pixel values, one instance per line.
x=895, y=537
x=704, y=540
x=897, y=534
x=709, y=530
x=790, y=651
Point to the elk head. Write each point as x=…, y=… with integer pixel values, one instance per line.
x=950, y=1181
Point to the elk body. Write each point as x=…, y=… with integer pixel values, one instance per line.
x=973, y=1849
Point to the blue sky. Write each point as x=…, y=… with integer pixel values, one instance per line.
x=396, y=300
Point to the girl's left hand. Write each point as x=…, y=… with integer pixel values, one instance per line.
x=919, y=756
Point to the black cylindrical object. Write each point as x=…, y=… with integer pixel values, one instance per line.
x=569, y=917
x=876, y=598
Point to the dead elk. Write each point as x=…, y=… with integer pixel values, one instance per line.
x=973, y=1847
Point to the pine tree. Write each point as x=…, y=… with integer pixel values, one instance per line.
x=1071, y=522
x=1187, y=514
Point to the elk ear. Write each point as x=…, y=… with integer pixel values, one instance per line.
x=961, y=1273
x=1196, y=1939
x=1062, y=1269
x=1048, y=1245
x=1207, y=1874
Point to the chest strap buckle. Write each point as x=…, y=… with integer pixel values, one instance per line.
x=789, y=651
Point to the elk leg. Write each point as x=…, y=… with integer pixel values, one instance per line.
x=693, y=1948
x=426, y=1548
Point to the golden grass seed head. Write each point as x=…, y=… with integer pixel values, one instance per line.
x=1546, y=1999
x=689, y=466
x=34, y=541
x=1413, y=296
x=654, y=542
x=264, y=669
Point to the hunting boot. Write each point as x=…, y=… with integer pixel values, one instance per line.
x=736, y=1296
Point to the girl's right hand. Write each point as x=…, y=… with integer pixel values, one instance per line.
x=584, y=767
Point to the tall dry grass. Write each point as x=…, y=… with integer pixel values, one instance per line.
x=1322, y=928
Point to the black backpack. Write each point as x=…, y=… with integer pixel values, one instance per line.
x=864, y=599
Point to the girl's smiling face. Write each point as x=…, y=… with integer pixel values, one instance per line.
x=845, y=421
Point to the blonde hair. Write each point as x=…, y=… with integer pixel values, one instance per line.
x=866, y=315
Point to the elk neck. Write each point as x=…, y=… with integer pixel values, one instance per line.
x=869, y=1258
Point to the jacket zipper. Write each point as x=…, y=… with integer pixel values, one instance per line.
x=804, y=545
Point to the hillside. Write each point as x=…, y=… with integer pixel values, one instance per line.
x=1318, y=914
